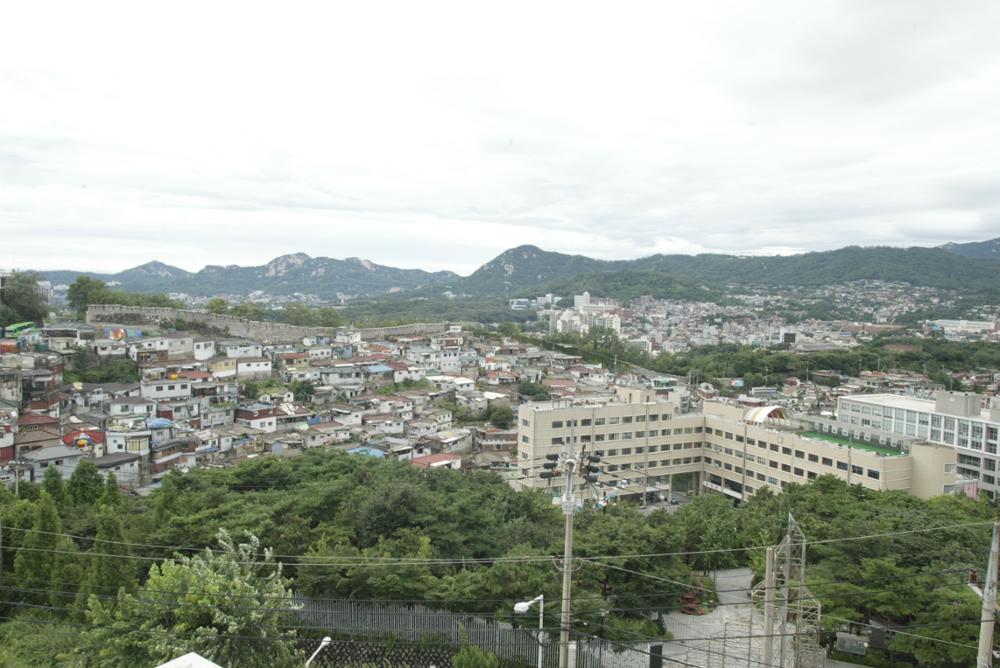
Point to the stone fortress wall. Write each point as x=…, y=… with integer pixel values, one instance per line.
x=265, y=332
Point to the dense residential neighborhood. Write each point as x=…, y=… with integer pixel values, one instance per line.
x=451, y=397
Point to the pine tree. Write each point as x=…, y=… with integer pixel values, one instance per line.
x=52, y=482
x=38, y=558
x=110, y=496
x=109, y=568
x=85, y=485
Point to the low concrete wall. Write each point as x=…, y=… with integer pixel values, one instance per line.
x=266, y=332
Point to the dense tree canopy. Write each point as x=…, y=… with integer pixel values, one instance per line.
x=21, y=300
x=85, y=291
x=481, y=546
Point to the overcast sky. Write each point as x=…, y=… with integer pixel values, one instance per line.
x=435, y=135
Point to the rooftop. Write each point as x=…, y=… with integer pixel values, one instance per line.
x=851, y=443
x=908, y=403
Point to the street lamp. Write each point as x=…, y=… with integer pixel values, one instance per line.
x=523, y=607
x=326, y=641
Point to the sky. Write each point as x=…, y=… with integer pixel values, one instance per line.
x=437, y=134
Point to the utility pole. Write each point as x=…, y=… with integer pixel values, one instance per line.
x=988, y=614
x=769, y=609
x=568, y=507
x=786, y=592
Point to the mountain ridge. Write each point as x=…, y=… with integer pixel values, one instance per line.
x=523, y=268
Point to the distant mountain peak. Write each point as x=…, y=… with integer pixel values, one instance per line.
x=367, y=264
x=980, y=250
x=157, y=268
x=283, y=264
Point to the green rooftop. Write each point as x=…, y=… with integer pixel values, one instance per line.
x=851, y=443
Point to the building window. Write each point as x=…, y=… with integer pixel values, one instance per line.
x=827, y=461
x=557, y=424
x=797, y=471
x=813, y=458
x=873, y=474
x=842, y=466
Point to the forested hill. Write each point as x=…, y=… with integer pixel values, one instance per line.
x=528, y=269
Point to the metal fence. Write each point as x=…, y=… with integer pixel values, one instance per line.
x=417, y=625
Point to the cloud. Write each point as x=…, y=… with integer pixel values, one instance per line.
x=437, y=135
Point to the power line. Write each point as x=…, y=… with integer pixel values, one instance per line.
x=376, y=561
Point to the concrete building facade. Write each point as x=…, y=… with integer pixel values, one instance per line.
x=728, y=449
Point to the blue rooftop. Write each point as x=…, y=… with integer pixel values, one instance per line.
x=371, y=452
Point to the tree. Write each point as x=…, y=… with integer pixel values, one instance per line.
x=248, y=310
x=46, y=563
x=303, y=390
x=297, y=313
x=110, y=495
x=110, y=566
x=501, y=415
x=473, y=657
x=229, y=605
x=217, y=305
x=327, y=316
x=85, y=484
x=21, y=300
x=532, y=391
x=52, y=483
x=86, y=291
x=251, y=390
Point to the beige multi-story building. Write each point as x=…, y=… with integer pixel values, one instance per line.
x=645, y=441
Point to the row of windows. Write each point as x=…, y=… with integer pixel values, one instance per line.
x=611, y=436
x=627, y=419
x=159, y=388
x=811, y=475
x=825, y=461
x=633, y=466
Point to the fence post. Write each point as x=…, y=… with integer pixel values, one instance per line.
x=656, y=656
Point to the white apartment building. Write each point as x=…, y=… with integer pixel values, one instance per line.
x=727, y=448
x=954, y=419
x=165, y=389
